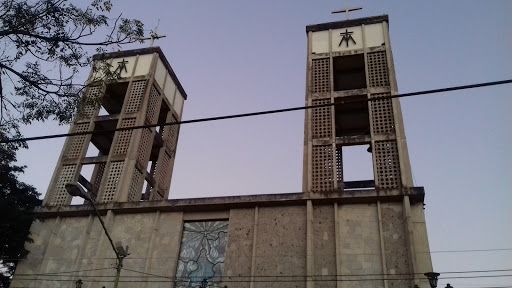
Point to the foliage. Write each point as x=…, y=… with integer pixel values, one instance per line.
x=44, y=46
x=17, y=199
x=44, y=43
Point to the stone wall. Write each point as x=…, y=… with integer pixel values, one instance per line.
x=351, y=245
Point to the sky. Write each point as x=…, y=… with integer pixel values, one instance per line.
x=246, y=56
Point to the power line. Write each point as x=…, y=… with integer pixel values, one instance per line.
x=136, y=258
x=171, y=279
x=473, y=250
x=398, y=275
x=454, y=88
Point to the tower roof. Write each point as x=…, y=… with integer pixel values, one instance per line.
x=144, y=51
x=347, y=23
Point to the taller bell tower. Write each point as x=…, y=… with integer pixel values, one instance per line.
x=127, y=165
x=350, y=72
x=350, y=65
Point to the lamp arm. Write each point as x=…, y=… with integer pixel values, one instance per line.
x=105, y=229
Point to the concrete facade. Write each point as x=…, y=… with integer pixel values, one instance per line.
x=335, y=234
x=288, y=240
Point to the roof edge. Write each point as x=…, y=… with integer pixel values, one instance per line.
x=347, y=23
x=144, y=51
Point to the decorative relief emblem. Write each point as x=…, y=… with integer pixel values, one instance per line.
x=120, y=67
x=347, y=37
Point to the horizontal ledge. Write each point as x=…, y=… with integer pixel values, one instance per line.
x=416, y=195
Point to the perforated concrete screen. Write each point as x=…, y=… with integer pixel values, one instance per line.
x=323, y=173
x=124, y=137
x=90, y=109
x=378, y=74
x=135, y=186
x=164, y=166
x=60, y=195
x=98, y=176
x=387, y=164
x=135, y=96
x=322, y=119
x=153, y=107
x=112, y=181
x=171, y=135
x=320, y=75
x=145, y=146
x=76, y=144
x=383, y=121
x=339, y=164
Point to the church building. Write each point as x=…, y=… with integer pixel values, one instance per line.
x=336, y=233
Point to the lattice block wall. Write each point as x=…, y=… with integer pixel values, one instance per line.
x=170, y=135
x=124, y=137
x=323, y=173
x=99, y=171
x=383, y=121
x=76, y=144
x=163, y=171
x=339, y=165
x=112, y=181
x=321, y=119
x=59, y=193
x=387, y=164
x=89, y=108
x=145, y=146
x=378, y=72
x=136, y=186
x=156, y=196
x=135, y=97
x=320, y=75
x=153, y=105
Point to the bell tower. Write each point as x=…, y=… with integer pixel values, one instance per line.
x=350, y=75
x=350, y=66
x=126, y=165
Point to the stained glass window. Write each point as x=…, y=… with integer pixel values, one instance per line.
x=202, y=254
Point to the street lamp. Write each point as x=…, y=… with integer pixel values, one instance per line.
x=432, y=278
x=74, y=189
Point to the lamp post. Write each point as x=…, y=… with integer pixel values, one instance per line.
x=432, y=278
x=74, y=189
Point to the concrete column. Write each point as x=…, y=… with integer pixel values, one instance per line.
x=309, y=246
x=338, y=244
x=151, y=248
x=382, y=247
x=409, y=238
x=254, y=238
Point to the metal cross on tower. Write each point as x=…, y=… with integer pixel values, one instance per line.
x=153, y=36
x=346, y=10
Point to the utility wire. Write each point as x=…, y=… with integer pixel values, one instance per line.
x=136, y=258
x=171, y=279
x=454, y=88
x=150, y=275
x=53, y=274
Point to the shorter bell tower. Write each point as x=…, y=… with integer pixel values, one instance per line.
x=127, y=165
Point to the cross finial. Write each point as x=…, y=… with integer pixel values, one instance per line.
x=347, y=10
x=153, y=36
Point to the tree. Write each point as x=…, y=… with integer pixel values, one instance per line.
x=17, y=199
x=44, y=44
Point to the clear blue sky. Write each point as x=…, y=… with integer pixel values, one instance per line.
x=241, y=56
